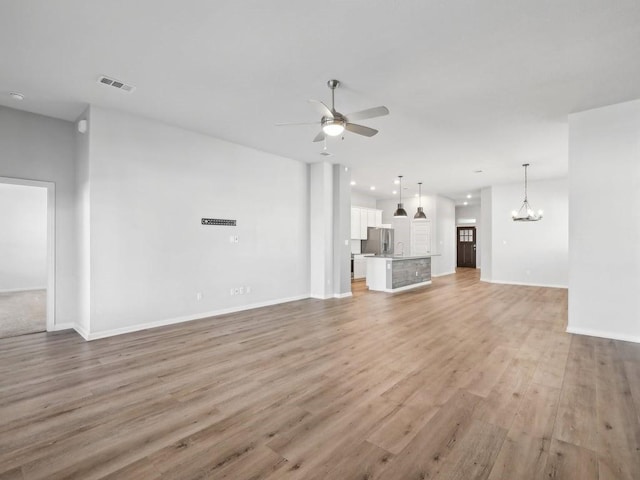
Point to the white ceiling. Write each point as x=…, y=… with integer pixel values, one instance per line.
x=470, y=85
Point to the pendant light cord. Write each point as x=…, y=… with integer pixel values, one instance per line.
x=525, y=182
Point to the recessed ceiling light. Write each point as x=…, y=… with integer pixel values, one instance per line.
x=395, y=192
x=372, y=187
x=16, y=96
x=416, y=195
x=469, y=195
x=396, y=181
x=353, y=182
x=466, y=203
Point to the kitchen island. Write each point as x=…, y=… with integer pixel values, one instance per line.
x=395, y=273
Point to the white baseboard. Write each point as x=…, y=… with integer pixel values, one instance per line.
x=186, y=318
x=25, y=289
x=342, y=295
x=442, y=274
x=603, y=334
x=63, y=326
x=407, y=287
x=523, y=284
x=81, y=331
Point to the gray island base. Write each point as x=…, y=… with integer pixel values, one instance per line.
x=398, y=273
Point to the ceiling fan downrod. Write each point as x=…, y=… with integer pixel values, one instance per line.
x=333, y=83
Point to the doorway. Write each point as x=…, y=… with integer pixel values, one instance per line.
x=26, y=256
x=467, y=247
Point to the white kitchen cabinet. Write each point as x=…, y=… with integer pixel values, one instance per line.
x=364, y=217
x=371, y=218
x=359, y=267
x=355, y=223
x=378, y=218
x=361, y=219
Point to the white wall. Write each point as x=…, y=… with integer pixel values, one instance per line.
x=362, y=200
x=83, y=228
x=441, y=212
x=150, y=184
x=469, y=212
x=321, y=230
x=34, y=147
x=604, y=229
x=445, y=237
x=402, y=226
x=530, y=253
x=485, y=236
x=341, y=231
x=23, y=237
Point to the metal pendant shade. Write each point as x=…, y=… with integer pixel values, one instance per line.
x=526, y=212
x=400, y=211
x=420, y=213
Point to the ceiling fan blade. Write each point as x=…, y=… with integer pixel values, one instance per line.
x=319, y=137
x=293, y=124
x=360, y=129
x=322, y=108
x=368, y=113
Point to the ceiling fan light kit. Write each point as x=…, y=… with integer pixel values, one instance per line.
x=526, y=212
x=333, y=123
x=400, y=211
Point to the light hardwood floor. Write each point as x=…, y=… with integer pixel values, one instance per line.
x=23, y=312
x=459, y=380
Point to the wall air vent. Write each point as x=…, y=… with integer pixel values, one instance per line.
x=116, y=84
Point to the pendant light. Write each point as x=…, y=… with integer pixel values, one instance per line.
x=526, y=213
x=400, y=212
x=420, y=213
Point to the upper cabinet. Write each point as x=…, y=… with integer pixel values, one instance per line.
x=355, y=223
x=363, y=218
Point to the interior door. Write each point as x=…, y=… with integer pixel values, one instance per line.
x=467, y=247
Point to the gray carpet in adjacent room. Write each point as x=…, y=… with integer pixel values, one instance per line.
x=23, y=312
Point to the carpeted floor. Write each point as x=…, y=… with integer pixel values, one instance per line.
x=23, y=312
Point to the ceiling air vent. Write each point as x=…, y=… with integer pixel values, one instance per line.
x=116, y=84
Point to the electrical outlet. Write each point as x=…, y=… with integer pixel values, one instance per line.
x=231, y=239
x=241, y=290
x=232, y=291
x=248, y=289
x=199, y=296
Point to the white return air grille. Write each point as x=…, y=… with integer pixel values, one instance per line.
x=116, y=84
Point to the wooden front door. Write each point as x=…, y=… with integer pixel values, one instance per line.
x=467, y=247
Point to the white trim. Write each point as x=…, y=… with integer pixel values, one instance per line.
x=342, y=295
x=51, y=241
x=25, y=289
x=64, y=326
x=406, y=287
x=442, y=274
x=500, y=282
x=81, y=331
x=186, y=318
x=603, y=334
x=320, y=297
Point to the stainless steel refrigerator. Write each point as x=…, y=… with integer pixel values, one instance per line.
x=379, y=241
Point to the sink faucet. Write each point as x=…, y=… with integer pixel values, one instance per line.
x=399, y=244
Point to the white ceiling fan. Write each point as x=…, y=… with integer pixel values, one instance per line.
x=334, y=123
